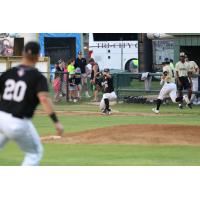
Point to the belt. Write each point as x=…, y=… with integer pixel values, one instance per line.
x=20, y=117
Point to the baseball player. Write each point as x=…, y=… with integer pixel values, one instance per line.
x=108, y=90
x=194, y=70
x=169, y=87
x=184, y=81
x=21, y=89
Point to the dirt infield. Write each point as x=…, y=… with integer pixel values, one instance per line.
x=134, y=134
x=114, y=113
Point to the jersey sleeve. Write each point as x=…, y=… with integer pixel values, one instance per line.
x=42, y=85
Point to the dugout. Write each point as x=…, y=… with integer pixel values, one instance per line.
x=188, y=43
x=60, y=45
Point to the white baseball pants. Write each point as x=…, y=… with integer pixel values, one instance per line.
x=24, y=134
x=111, y=96
x=195, y=86
x=168, y=89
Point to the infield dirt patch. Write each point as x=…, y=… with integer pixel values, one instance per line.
x=134, y=134
x=114, y=113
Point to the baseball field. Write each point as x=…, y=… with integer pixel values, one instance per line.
x=131, y=136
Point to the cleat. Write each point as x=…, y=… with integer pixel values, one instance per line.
x=109, y=112
x=180, y=106
x=155, y=110
x=106, y=111
x=189, y=105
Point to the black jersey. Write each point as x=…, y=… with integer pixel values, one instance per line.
x=107, y=84
x=81, y=63
x=19, y=87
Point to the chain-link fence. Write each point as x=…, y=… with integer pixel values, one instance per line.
x=143, y=87
x=59, y=86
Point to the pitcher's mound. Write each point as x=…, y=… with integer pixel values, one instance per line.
x=134, y=134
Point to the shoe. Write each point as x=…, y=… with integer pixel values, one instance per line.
x=155, y=110
x=106, y=111
x=189, y=105
x=75, y=100
x=180, y=106
x=87, y=95
x=109, y=112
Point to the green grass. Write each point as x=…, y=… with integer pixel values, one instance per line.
x=108, y=155
x=61, y=154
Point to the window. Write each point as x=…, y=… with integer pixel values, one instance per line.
x=115, y=36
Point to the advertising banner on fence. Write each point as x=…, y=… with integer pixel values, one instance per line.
x=6, y=46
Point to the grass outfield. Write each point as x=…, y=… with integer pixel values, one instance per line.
x=63, y=154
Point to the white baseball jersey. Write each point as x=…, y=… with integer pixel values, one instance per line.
x=169, y=87
x=182, y=68
x=195, y=82
x=193, y=67
x=170, y=74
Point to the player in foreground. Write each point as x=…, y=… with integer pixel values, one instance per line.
x=21, y=89
x=108, y=90
x=169, y=87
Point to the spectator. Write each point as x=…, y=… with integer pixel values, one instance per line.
x=72, y=87
x=78, y=82
x=60, y=71
x=81, y=63
x=89, y=70
x=89, y=67
x=57, y=84
x=70, y=67
x=95, y=80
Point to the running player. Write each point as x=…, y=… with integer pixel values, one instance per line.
x=184, y=81
x=21, y=89
x=108, y=90
x=169, y=87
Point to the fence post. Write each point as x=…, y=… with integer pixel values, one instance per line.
x=67, y=87
x=116, y=85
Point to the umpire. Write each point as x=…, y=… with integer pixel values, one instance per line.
x=21, y=90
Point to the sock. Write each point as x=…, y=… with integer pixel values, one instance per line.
x=179, y=99
x=106, y=103
x=185, y=97
x=158, y=104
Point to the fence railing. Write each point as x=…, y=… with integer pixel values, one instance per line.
x=124, y=84
x=131, y=84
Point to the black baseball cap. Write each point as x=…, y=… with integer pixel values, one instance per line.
x=106, y=70
x=167, y=60
x=32, y=48
x=80, y=53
